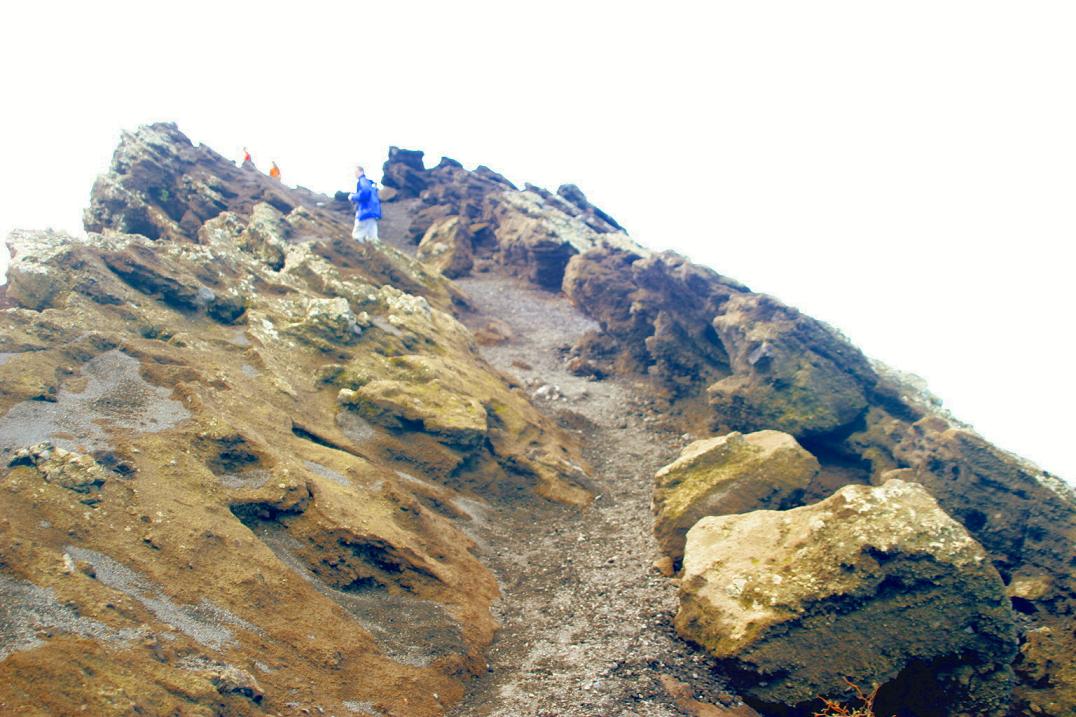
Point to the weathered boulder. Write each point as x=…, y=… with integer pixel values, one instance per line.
x=734, y=473
x=327, y=323
x=446, y=247
x=1024, y=517
x=76, y=472
x=789, y=371
x=876, y=584
x=654, y=311
x=493, y=332
x=266, y=235
x=32, y=281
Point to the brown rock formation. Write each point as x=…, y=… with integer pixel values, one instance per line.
x=447, y=247
x=877, y=585
x=209, y=432
x=702, y=339
x=734, y=473
x=239, y=449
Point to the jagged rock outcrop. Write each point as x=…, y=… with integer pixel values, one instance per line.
x=734, y=473
x=789, y=372
x=593, y=216
x=404, y=171
x=532, y=233
x=447, y=247
x=878, y=585
x=163, y=187
x=231, y=442
x=655, y=313
x=1026, y=520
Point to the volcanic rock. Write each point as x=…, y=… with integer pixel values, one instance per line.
x=734, y=473
x=283, y=420
x=446, y=247
x=655, y=312
x=170, y=426
x=878, y=585
x=594, y=217
x=790, y=372
x=532, y=233
x=1024, y=518
x=405, y=172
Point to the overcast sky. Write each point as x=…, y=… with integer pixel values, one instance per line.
x=905, y=171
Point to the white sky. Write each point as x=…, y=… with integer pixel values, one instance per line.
x=905, y=171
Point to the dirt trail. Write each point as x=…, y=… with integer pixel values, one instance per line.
x=582, y=611
x=586, y=622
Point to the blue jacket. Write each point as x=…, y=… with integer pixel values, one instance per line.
x=367, y=203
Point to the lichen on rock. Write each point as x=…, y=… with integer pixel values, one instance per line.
x=446, y=247
x=869, y=584
x=164, y=394
x=734, y=473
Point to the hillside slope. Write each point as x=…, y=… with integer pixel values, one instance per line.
x=252, y=467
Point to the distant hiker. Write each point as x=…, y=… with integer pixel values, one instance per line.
x=246, y=156
x=367, y=208
x=274, y=171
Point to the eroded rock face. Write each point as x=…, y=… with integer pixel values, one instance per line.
x=232, y=438
x=531, y=233
x=734, y=473
x=206, y=410
x=1025, y=518
x=874, y=584
x=447, y=247
x=789, y=371
x=723, y=358
x=655, y=312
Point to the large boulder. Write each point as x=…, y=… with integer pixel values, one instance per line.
x=874, y=584
x=789, y=371
x=734, y=473
x=1024, y=517
x=446, y=247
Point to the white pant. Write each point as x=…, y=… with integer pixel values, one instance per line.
x=365, y=230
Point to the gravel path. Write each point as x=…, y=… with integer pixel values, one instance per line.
x=586, y=621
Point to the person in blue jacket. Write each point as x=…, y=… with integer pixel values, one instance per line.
x=367, y=208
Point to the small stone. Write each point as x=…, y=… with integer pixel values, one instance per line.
x=664, y=566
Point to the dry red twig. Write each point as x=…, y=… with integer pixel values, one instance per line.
x=836, y=709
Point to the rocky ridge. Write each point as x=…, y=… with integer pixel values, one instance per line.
x=245, y=459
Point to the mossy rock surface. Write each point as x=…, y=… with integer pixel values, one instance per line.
x=865, y=584
x=734, y=473
x=431, y=407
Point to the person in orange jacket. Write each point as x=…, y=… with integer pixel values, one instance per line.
x=274, y=171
